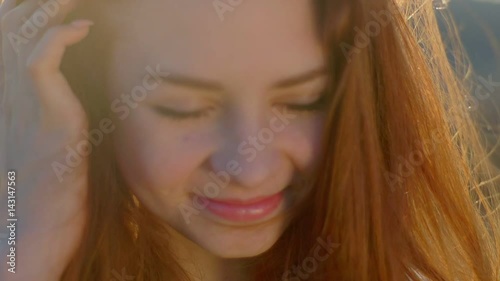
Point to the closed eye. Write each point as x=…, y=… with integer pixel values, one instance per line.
x=181, y=115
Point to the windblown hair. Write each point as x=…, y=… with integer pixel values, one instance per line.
x=404, y=186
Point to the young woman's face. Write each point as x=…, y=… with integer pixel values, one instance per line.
x=231, y=118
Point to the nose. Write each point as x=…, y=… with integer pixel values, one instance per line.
x=249, y=151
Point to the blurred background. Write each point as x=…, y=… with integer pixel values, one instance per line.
x=478, y=23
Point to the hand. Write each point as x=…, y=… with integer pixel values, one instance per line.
x=40, y=117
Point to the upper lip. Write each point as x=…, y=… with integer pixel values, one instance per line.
x=239, y=201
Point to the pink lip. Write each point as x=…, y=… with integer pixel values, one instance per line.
x=244, y=211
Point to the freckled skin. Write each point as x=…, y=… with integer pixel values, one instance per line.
x=258, y=44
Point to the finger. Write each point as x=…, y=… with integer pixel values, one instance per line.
x=19, y=12
x=44, y=63
x=47, y=55
x=11, y=20
x=5, y=7
x=55, y=10
x=49, y=13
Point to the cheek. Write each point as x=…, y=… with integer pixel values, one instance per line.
x=303, y=140
x=151, y=155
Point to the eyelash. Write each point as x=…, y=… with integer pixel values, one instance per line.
x=314, y=106
x=179, y=115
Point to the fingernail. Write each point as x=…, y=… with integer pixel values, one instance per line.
x=82, y=23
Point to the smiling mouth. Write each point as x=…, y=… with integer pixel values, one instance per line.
x=238, y=211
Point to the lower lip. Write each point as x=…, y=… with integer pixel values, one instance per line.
x=245, y=212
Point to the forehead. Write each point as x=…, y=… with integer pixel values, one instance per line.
x=254, y=39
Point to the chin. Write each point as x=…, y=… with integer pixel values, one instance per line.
x=232, y=242
x=241, y=247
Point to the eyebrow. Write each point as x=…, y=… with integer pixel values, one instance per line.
x=207, y=85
